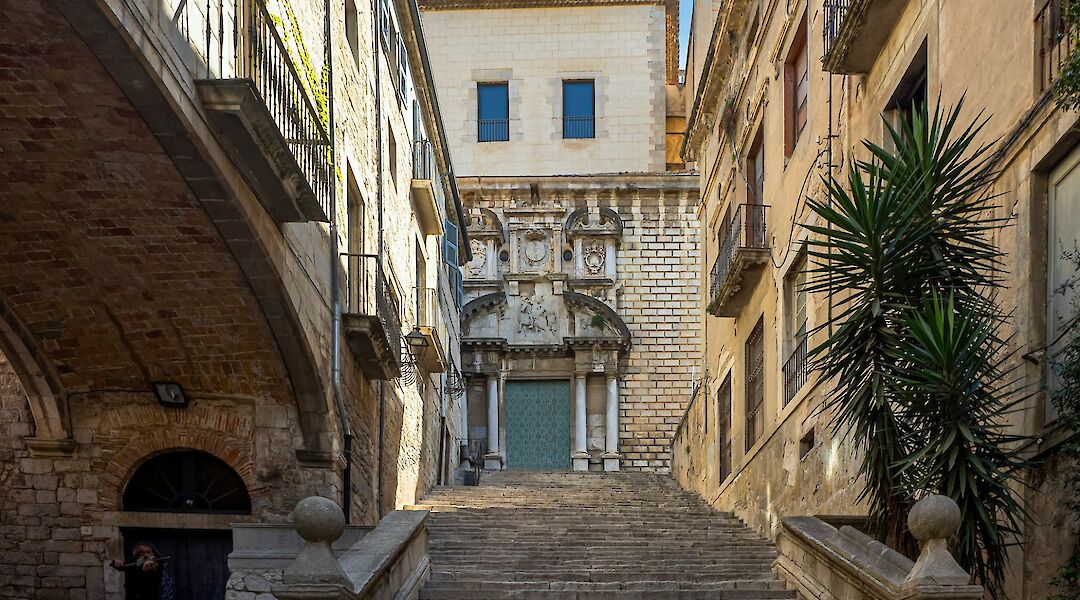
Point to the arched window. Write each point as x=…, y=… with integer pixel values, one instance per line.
x=186, y=481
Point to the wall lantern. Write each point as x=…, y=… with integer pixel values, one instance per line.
x=170, y=394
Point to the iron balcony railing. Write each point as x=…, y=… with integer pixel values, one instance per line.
x=424, y=166
x=745, y=231
x=369, y=292
x=579, y=127
x=795, y=370
x=247, y=45
x=1054, y=41
x=493, y=130
x=835, y=11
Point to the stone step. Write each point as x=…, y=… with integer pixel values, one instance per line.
x=559, y=535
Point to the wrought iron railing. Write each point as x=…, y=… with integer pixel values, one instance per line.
x=755, y=385
x=493, y=130
x=1054, y=42
x=249, y=46
x=370, y=292
x=424, y=166
x=746, y=230
x=579, y=127
x=835, y=12
x=795, y=370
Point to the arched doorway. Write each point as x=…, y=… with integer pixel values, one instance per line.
x=187, y=481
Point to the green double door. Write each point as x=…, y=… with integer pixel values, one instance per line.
x=537, y=425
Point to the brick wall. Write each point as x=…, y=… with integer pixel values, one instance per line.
x=657, y=295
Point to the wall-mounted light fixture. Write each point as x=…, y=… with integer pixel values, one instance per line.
x=170, y=394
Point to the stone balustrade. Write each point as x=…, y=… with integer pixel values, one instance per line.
x=387, y=561
x=826, y=563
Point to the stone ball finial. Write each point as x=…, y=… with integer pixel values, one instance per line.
x=318, y=519
x=934, y=517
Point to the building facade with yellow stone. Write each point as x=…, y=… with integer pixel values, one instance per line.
x=780, y=95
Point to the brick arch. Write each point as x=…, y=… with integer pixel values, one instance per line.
x=118, y=273
x=230, y=449
x=39, y=383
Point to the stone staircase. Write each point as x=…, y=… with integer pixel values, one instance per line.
x=564, y=535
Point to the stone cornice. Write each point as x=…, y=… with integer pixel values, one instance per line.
x=715, y=72
x=644, y=181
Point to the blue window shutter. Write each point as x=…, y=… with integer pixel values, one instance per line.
x=450, y=243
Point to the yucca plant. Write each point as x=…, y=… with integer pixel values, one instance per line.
x=905, y=247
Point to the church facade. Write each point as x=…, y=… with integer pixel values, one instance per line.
x=580, y=321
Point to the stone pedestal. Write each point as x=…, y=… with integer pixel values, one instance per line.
x=611, y=461
x=493, y=461
x=580, y=461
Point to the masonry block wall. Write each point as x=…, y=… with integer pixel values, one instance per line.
x=621, y=47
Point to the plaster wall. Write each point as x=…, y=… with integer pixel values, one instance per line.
x=622, y=48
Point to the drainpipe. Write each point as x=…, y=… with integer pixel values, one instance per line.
x=379, y=283
x=335, y=281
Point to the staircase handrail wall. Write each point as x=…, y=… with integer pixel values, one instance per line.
x=826, y=563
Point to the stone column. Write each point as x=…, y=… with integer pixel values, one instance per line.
x=493, y=458
x=611, y=425
x=464, y=405
x=581, y=441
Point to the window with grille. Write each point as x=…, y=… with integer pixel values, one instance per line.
x=493, y=112
x=579, y=110
x=723, y=431
x=186, y=481
x=755, y=384
x=795, y=329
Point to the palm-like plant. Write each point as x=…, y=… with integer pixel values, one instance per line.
x=907, y=252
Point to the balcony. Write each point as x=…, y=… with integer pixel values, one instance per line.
x=261, y=113
x=744, y=252
x=430, y=322
x=579, y=128
x=795, y=370
x=493, y=130
x=371, y=319
x=856, y=31
x=426, y=188
x=1054, y=44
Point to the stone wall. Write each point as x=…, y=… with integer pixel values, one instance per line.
x=655, y=292
x=622, y=48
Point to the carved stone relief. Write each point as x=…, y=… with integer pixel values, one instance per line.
x=534, y=248
x=480, y=258
x=594, y=258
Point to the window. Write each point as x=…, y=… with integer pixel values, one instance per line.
x=352, y=30
x=493, y=112
x=723, y=433
x=755, y=165
x=392, y=142
x=795, y=368
x=796, y=89
x=186, y=481
x=355, y=216
x=806, y=444
x=1063, y=231
x=755, y=384
x=402, y=68
x=579, y=110
x=910, y=94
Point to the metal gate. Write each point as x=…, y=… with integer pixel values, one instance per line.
x=538, y=425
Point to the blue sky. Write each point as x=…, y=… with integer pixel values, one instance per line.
x=686, y=9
